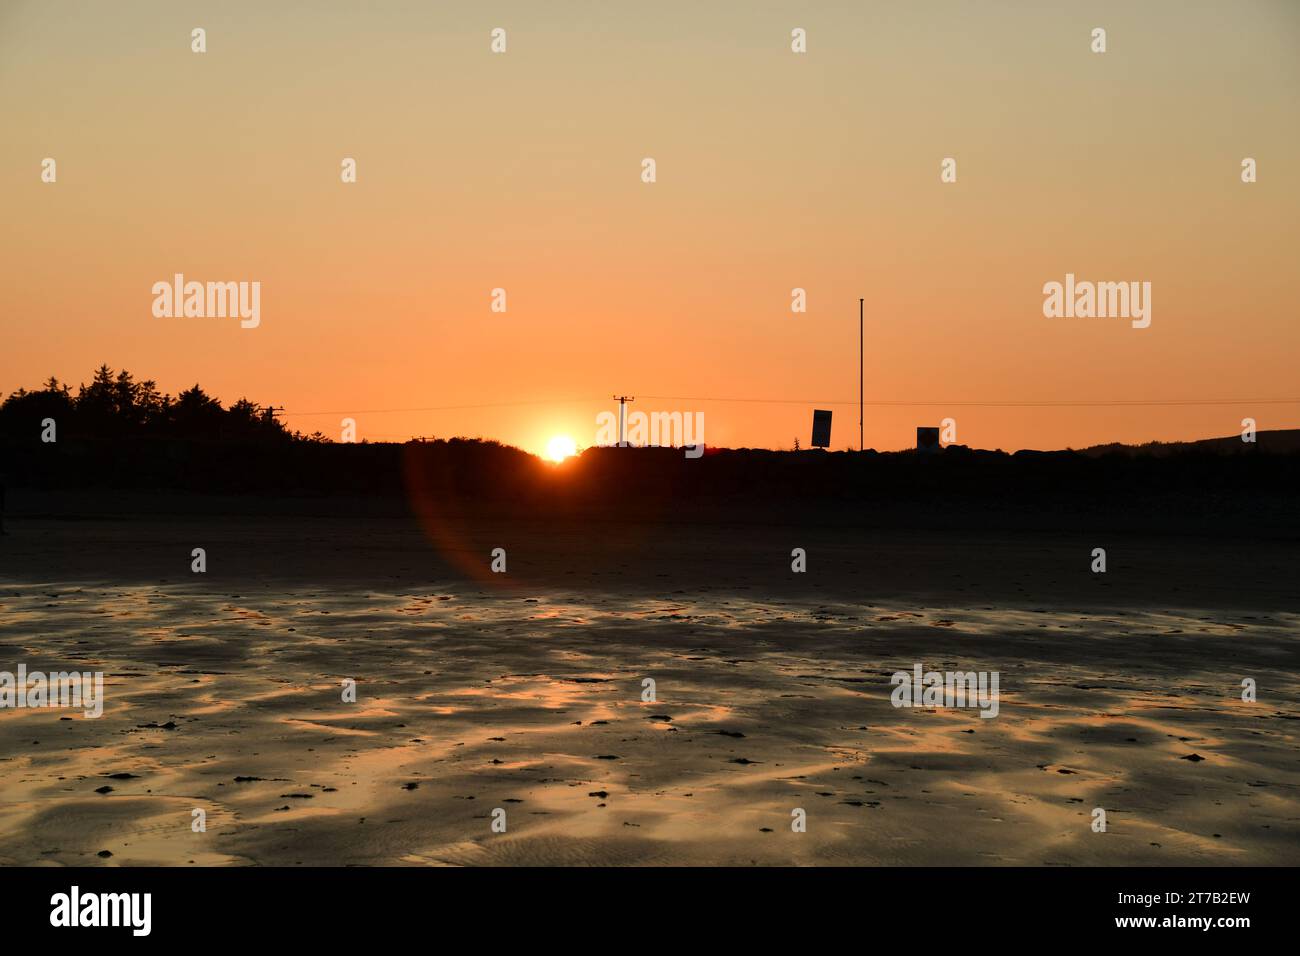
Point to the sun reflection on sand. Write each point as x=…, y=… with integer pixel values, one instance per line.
x=472, y=700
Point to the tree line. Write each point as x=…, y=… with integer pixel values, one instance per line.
x=116, y=405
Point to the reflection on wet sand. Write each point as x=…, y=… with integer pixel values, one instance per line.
x=470, y=701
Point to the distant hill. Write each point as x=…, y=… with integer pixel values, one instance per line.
x=1285, y=441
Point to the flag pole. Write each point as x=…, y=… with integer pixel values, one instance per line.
x=859, y=375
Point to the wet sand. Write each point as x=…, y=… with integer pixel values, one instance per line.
x=523, y=692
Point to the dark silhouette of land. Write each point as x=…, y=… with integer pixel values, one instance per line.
x=523, y=688
x=117, y=435
x=136, y=478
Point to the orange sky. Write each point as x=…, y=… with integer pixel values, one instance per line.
x=775, y=171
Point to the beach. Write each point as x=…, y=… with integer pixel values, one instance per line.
x=524, y=692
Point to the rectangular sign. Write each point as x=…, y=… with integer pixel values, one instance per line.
x=821, y=428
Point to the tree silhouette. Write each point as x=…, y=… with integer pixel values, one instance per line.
x=114, y=405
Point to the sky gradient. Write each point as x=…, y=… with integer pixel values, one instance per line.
x=775, y=171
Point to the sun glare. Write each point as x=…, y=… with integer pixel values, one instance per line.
x=561, y=447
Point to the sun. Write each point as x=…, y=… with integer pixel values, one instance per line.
x=561, y=447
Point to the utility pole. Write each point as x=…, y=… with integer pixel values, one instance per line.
x=622, y=430
x=859, y=375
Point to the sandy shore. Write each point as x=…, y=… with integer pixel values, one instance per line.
x=224, y=693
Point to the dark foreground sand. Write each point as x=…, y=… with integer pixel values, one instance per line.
x=523, y=692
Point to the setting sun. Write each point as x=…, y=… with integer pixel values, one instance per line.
x=561, y=447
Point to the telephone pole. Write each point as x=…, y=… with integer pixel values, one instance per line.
x=622, y=430
x=859, y=375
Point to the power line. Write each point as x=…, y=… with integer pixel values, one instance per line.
x=785, y=401
x=809, y=401
x=450, y=408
